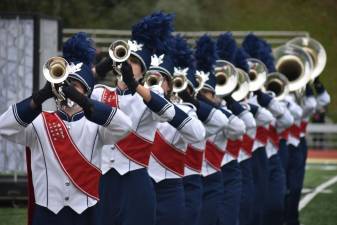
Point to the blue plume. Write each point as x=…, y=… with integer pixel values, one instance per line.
x=205, y=54
x=240, y=60
x=181, y=53
x=252, y=45
x=266, y=56
x=79, y=48
x=226, y=47
x=154, y=31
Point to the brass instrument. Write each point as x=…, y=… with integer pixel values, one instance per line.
x=179, y=83
x=315, y=50
x=293, y=62
x=278, y=84
x=242, y=88
x=226, y=77
x=257, y=74
x=56, y=71
x=152, y=78
x=119, y=51
x=200, y=82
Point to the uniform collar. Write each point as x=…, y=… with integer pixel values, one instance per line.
x=64, y=116
x=123, y=92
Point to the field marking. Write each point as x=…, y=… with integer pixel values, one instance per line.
x=307, y=198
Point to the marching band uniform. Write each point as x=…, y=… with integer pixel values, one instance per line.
x=167, y=160
x=126, y=169
x=64, y=170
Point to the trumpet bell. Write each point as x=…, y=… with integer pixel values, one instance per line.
x=278, y=84
x=56, y=70
x=119, y=51
x=226, y=77
x=179, y=83
x=242, y=88
x=257, y=74
x=200, y=83
x=295, y=64
x=152, y=78
x=316, y=52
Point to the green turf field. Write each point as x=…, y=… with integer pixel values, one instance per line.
x=320, y=211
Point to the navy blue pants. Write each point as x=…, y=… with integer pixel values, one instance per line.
x=193, y=199
x=260, y=177
x=212, y=200
x=170, y=202
x=66, y=216
x=128, y=199
x=283, y=153
x=274, y=211
x=231, y=176
x=247, y=192
x=295, y=176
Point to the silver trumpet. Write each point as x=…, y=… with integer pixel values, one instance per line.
x=56, y=70
x=278, y=84
x=179, y=83
x=226, y=77
x=152, y=78
x=119, y=51
x=242, y=88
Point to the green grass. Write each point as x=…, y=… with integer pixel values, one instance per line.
x=13, y=216
x=320, y=211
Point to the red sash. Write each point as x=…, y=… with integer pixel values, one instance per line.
x=247, y=144
x=274, y=137
x=303, y=126
x=214, y=155
x=193, y=159
x=168, y=156
x=295, y=131
x=110, y=98
x=233, y=147
x=83, y=174
x=285, y=134
x=134, y=147
x=262, y=134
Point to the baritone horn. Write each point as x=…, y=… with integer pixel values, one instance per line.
x=315, y=50
x=257, y=73
x=278, y=84
x=242, y=88
x=293, y=62
x=56, y=71
x=226, y=77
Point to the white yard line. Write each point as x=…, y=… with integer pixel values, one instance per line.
x=307, y=198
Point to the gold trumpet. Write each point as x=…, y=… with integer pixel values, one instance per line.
x=278, y=84
x=56, y=70
x=242, y=88
x=293, y=62
x=226, y=77
x=316, y=52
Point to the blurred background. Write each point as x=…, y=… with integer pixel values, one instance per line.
x=31, y=31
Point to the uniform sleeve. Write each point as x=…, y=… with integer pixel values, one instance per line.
x=193, y=131
x=116, y=127
x=235, y=128
x=309, y=106
x=323, y=99
x=295, y=110
x=13, y=129
x=216, y=122
x=248, y=119
x=163, y=111
x=263, y=117
x=284, y=121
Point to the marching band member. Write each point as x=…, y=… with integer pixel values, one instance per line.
x=64, y=170
x=214, y=121
x=167, y=161
x=126, y=190
x=213, y=184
